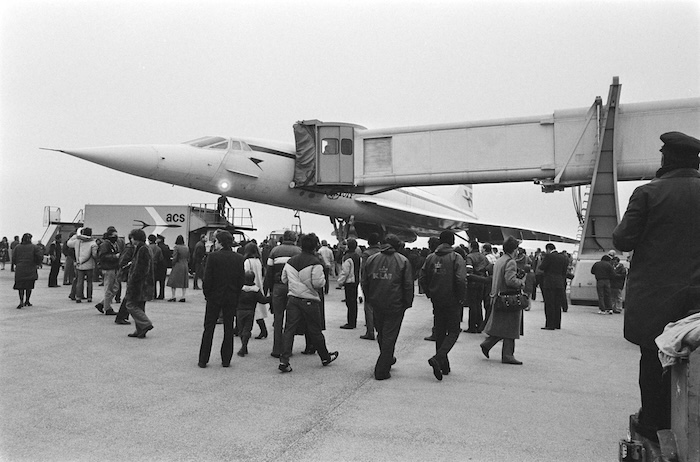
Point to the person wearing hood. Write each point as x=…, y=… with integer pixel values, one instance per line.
x=663, y=285
x=444, y=276
x=388, y=285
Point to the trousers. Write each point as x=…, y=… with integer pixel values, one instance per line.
x=211, y=315
x=308, y=311
x=279, y=305
x=447, y=319
x=388, y=325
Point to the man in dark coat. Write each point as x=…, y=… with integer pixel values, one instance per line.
x=161, y=270
x=554, y=266
x=660, y=225
x=476, y=267
x=373, y=241
x=224, y=276
x=388, y=285
x=444, y=280
x=604, y=274
x=139, y=286
x=55, y=252
x=198, y=260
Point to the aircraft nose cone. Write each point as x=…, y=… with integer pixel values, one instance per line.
x=140, y=160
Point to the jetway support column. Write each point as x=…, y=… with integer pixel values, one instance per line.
x=602, y=214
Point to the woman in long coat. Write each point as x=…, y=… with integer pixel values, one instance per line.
x=253, y=263
x=4, y=252
x=504, y=325
x=180, y=272
x=26, y=257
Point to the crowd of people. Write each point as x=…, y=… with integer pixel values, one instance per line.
x=244, y=283
x=294, y=276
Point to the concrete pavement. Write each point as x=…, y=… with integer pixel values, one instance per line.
x=74, y=387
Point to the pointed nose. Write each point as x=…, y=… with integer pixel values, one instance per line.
x=141, y=160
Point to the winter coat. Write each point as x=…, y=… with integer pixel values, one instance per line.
x=350, y=268
x=180, y=274
x=250, y=297
x=505, y=324
x=278, y=257
x=554, y=267
x=85, y=251
x=388, y=281
x=444, y=277
x=603, y=270
x=304, y=276
x=255, y=265
x=26, y=257
x=141, y=284
x=108, y=255
x=223, y=276
x=620, y=277
x=661, y=225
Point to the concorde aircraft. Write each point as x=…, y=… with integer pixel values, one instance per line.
x=261, y=171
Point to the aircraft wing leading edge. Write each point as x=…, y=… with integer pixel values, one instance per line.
x=426, y=223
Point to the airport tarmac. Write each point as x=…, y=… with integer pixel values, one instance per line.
x=74, y=387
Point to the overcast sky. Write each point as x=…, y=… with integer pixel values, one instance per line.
x=91, y=73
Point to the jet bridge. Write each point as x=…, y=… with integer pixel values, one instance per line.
x=555, y=150
x=594, y=146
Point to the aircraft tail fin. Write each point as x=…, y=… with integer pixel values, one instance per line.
x=464, y=197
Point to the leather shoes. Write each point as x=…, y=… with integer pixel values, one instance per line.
x=110, y=312
x=123, y=322
x=430, y=338
x=485, y=351
x=275, y=355
x=142, y=334
x=511, y=360
x=347, y=326
x=202, y=365
x=547, y=328
x=435, y=364
x=367, y=337
x=383, y=377
x=134, y=334
x=100, y=307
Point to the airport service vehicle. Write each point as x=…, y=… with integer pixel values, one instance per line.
x=170, y=221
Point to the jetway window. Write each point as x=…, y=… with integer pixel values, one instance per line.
x=378, y=156
x=329, y=146
x=346, y=147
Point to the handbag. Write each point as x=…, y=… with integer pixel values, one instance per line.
x=511, y=301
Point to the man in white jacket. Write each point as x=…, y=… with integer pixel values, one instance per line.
x=85, y=258
x=304, y=276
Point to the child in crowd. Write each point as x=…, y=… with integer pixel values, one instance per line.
x=249, y=298
x=530, y=286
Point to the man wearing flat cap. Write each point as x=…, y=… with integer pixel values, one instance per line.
x=663, y=284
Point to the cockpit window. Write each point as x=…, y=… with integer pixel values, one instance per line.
x=209, y=142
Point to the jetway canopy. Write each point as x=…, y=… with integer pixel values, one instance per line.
x=325, y=154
